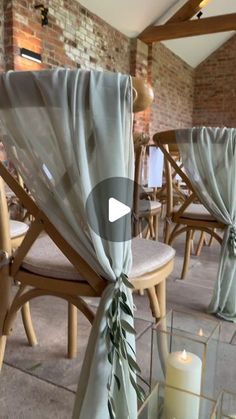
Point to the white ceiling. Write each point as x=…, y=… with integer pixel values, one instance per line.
x=131, y=17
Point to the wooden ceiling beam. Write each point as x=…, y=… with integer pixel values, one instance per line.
x=188, y=10
x=215, y=24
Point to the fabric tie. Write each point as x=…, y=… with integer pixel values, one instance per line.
x=232, y=240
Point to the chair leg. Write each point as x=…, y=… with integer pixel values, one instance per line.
x=3, y=340
x=200, y=244
x=72, y=331
x=154, y=303
x=161, y=292
x=167, y=232
x=186, y=254
x=28, y=325
x=211, y=239
x=152, y=227
x=156, y=226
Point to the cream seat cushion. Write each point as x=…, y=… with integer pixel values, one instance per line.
x=18, y=228
x=149, y=255
x=196, y=212
x=44, y=258
x=147, y=189
x=146, y=205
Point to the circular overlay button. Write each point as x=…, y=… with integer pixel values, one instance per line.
x=110, y=210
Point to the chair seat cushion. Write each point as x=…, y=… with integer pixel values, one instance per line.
x=44, y=258
x=18, y=228
x=146, y=205
x=149, y=255
x=196, y=212
x=146, y=189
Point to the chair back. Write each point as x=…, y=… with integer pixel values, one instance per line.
x=140, y=142
x=179, y=189
x=42, y=223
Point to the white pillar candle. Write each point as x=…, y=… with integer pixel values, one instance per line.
x=183, y=371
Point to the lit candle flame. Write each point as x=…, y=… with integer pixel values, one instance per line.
x=200, y=333
x=184, y=356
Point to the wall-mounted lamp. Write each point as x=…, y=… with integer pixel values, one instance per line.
x=44, y=13
x=199, y=14
x=31, y=55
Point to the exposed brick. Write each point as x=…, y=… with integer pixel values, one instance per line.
x=75, y=38
x=215, y=88
x=173, y=83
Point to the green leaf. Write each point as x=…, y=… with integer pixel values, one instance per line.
x=123, y=333
x=117, y=381
x=110, y=357
x=108, y=340
x=111, y=338
x=126, y=282
x=114, y=306
x=123, y=296
x=139, y=391
x=133, y=364
x=142, y=394
x=123, y=349
x=35, y=366
x=110, y=408
x=128, y=327
x=132, y=349
x=126, y=309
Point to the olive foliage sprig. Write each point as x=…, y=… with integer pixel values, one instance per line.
x=118, y=347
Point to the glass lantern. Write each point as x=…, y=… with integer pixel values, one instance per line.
x=166, y=402
x=183, y=335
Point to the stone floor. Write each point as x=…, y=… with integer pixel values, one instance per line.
x=39, y=382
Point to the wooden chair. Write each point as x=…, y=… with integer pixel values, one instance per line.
x=144, y=207
x=189, y=215
x=60, y=271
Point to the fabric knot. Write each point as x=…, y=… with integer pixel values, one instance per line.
x=232, y=241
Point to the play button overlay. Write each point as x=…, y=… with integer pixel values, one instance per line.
x=117, y=210
x=110, y=211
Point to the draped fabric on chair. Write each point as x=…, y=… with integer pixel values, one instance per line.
x=209, y=158
x=66, y=131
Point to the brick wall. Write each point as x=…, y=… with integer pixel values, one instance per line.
x=139, y=68
x=77, y=38
x=1, y=38
x=73, y=38
x=173, y=83
x=215, y=88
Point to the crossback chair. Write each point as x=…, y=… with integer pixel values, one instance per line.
x=145, y=208
x=189, y=215
x=60, y=271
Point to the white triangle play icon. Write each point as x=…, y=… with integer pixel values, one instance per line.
x=117, y=209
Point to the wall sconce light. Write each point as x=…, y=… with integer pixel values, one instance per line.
x=44, y=13
x=31, y=55
x=199, y=14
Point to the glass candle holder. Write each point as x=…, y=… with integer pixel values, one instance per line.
x=167, y=402
x=183, y=343
x=227, y=405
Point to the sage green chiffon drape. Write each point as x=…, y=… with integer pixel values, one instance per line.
x=66, y=131
x=209, y=158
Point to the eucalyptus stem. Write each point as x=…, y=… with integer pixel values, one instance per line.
x=118, y=347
